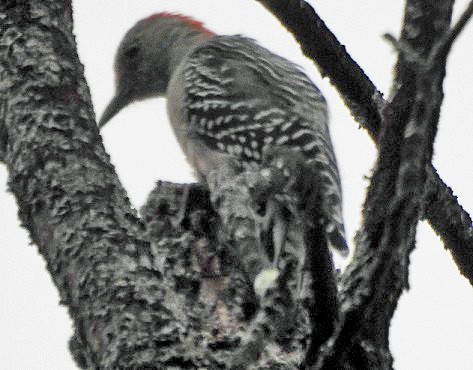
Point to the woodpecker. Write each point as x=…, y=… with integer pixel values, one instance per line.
x=228, y=98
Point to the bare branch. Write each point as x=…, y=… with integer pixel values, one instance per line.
x=446, y=216
x=459, y=239
x=70, y=199
x=444, y=46
x=373, y=282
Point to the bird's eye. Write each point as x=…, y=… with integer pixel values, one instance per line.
x=131, y=52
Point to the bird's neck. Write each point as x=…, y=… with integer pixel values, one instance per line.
x=182, y=48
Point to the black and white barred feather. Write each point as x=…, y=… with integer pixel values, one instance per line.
x=241, y=99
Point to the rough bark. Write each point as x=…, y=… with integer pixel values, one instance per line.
x=69, y=197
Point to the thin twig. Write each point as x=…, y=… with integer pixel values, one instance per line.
x=443, y=47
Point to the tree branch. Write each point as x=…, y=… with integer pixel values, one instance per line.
x=446, y=44
x=70, y=199
x=374, y=281
x=367, y=106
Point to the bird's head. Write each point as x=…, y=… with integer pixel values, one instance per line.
x=147, y=56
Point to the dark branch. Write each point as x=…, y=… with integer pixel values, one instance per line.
x=69, y=196
x=367, y=106
x=459, y=239
x=375, y=279
x=446, y=44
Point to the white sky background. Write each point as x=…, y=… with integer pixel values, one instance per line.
x=433, y=326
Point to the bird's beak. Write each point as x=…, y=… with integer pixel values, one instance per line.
x=118, y=102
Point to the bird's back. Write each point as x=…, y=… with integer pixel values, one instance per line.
x=241, y=99
x=240, y=94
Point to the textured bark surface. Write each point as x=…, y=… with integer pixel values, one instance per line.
x=69, y=196
x=396, y=193
x=222, y=317
x=175, y=290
